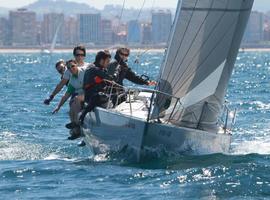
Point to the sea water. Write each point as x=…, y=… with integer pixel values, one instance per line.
x=38, y=162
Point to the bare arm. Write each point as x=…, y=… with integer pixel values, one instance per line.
x=57, y=89
x=61, y=103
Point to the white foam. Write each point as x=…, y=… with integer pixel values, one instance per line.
x=258, y=146
x=100, y=158
x=53, y=157
x=13, y=148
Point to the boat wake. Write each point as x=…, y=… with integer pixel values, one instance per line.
x=13, y=147
x=257, y=146
x=245, y=152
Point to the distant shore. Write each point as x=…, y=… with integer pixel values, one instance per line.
x=254, y=49
x=69, y=50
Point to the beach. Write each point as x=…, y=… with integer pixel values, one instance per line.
x=68, y=50
x=94, y=50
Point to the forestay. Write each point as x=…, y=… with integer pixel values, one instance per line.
x=202, y=50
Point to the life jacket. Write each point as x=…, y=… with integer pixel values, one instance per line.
x=98, y=80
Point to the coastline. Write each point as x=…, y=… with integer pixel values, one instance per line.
x=254, y=50
x=69, y=50
x=137, y=50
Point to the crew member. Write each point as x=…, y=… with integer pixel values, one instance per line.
x=79, y=53
x=119, y=68
x=95, y=80
x=76, y=92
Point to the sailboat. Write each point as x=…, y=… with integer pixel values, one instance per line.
x=52, y=47
x=186, y=113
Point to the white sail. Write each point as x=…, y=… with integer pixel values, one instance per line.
x=203, y=46
x=55, y=37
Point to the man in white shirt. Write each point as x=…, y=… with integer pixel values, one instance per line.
x=76, y=92
x=79, y=53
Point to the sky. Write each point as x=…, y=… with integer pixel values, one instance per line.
x=263, y=5
x=97, y=3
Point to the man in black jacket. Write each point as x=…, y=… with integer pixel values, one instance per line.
x=95, y=80
x=120, y=70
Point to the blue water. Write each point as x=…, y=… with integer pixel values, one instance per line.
x=37, y=162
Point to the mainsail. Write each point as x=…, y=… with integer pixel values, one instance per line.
x=203, y=47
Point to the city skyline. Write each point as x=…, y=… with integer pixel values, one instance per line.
x=261, y=5
x=30, y=28
x=21, y=29
x=99, y=4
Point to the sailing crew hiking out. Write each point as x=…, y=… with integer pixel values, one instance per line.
x=79, y=53
x=95, y=80
x=88, y=84
x=65, y=75
x=61, y=67
x=75, y=91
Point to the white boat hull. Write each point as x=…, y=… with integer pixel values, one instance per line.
x=107, y=131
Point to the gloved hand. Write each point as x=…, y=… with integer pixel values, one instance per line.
x=123, y=63
x=48, y=101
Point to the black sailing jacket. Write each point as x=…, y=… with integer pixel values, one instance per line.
x=121, y=71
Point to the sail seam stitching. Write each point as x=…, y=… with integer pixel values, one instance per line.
x=181, y=40
x=204, y=42
x=206, y=57
x=183, y=59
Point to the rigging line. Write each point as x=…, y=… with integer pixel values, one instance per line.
x=139, y=14
x=204, y=42
x=232, y=24
x=191, y=44
x=180, y=47
x=239, y=10
x=153, y=4
x=139, y=55
x=122, y=10
x=118, y=28
x=162, y=65
x=181, y=41
x=211, y=32
x=136, y=20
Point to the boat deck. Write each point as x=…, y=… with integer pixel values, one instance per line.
x=137, y=107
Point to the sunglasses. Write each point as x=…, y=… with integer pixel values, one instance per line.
x=77, y=55
x=124, y=54
x=71, y=66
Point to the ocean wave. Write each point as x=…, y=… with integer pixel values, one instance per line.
x=13, y=147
